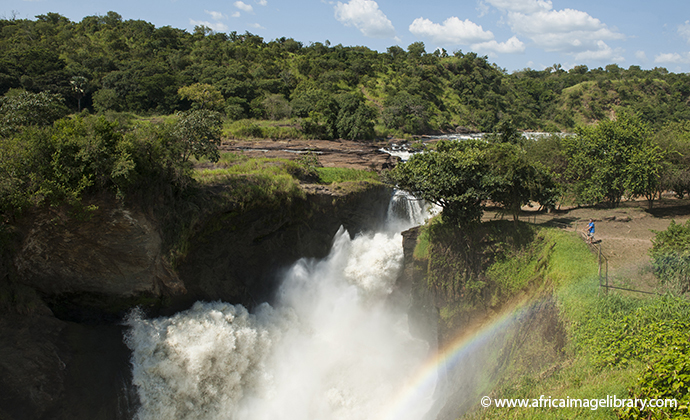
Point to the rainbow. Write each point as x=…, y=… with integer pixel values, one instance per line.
x=422, y=384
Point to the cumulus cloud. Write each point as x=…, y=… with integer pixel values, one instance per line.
x=554, y=21
x=366, y=16
x=684, y=31
x=521, y=6
x=511, y=46
x=261, y=2
x=215, y=26
x=672, y=58
x=452, y=31
x=568, y=31
x=243, y=6
x=216, y=15
x=602, y=53
x=641, y=55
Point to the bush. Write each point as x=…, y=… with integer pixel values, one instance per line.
x=248, y=129
x=671, y=256
x=21, y=109
x=77, y=156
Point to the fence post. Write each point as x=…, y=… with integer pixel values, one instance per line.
x=599, y=266
x=607, y=276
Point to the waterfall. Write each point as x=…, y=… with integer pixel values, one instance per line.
x=331, y=347
x=405, y=211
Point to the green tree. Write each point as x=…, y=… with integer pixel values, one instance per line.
x=79, y=86
x=276, y=106
x=599, y=158
x=60, y=164
x=405, y=112
x=202, y=95
x=21, y=109
x=454, y=177
x=198, y=134
x=674, y=139
x=644, y=171
x=355, y=119
x=515, y=181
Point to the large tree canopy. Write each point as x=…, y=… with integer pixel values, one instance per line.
x=611, y=158
x=460, y=176
x=455, y=176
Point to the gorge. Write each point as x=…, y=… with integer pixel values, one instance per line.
x=351, y=330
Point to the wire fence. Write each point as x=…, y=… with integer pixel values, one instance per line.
x=604, y=269
x=605, y=281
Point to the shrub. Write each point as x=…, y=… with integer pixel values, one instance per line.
x=671, y=256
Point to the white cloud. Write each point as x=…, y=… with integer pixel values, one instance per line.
x=568, y=30
x=256, y=26
x=366, y=16
x=672, y=58
x=640, y=55
x=511, y=46
x=261, y=2
x=553, y=21
x=235, y=14
x=521, y=6
x=243, y=6
x=602, y=53
x=216, y=15
x=215, y=26
x=684, y=31
x=453, y=31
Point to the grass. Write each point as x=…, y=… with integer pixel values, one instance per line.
x=247, y=182
x=231, y=165
x=610, y=338
x=262, y=129
x=337, y=175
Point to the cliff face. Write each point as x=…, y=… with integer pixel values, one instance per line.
x=237, y=257
x=114, y=251
x=490, y=339
x=111, y=258
x=423, y=310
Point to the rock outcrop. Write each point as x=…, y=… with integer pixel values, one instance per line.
x=112, y=251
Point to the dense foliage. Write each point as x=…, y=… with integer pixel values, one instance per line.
x=671, y=256
x=600, y=164
x=613, y=158
x=461, y=176
x=105, y=63
x=57, y=164
x=619, y=332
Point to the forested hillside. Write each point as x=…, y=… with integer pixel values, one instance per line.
x=105, y=63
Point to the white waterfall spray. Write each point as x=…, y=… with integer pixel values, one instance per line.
x=332, y=348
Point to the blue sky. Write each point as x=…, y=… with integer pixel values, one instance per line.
x=514, y=34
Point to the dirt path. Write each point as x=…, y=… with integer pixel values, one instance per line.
x=624, y=234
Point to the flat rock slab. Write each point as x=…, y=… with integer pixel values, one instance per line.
x=331, y=153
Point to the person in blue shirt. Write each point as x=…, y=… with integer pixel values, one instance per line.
x=590, y=231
